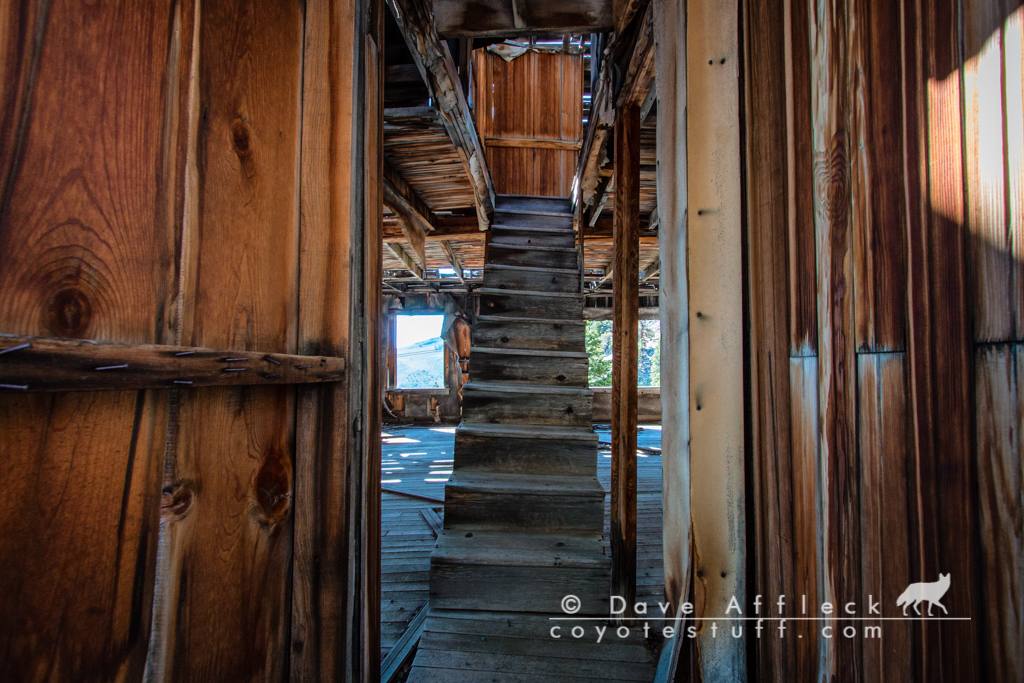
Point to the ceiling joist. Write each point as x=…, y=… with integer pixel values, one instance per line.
x=434, y=61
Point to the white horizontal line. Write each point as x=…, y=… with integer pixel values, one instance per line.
x=691, y=618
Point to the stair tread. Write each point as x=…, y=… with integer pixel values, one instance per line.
x=520, y=549
x=529, y=228
x=508, y=388
x=529, y=292
x=538, y=484
x=529, y=431
x=484, y=318
x=534, y=212
x=530, y=247
x=527, y=352
x=540, y=269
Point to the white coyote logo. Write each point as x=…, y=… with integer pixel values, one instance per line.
x=917, y=593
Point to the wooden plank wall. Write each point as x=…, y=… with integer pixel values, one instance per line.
x=192, y=172
x=530, y=101
x=884, y=218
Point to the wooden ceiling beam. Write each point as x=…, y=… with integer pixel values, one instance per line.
x=453, y=259
x=414, y=226
x=511, y=18
x=399, y=253
x=415, y=20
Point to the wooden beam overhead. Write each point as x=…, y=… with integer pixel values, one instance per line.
x=651, y=270
x=509, y=18
x=413, y=225
x=534, y=143
x=400, y=254
x=415, y=20
x=453, y=259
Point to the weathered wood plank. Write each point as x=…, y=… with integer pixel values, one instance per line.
x=987, y=89
x=939, y=342
x=886, y=495
x=1000, y=420
x=671, y=67
x=48, y=364
x=533, y=143
x=714, y=256
x=768, y=214
x=877, y=218
x=803, y=311
x=228, y=543
x=840, y=503
x=87, y=243
x=624, y=354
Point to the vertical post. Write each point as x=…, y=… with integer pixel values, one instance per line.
x=392, y=359
x=625, y=302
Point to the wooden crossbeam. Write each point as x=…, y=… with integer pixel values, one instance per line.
x=401, y=255
x=432, y=57
x=453, y=259
x=650, y=271
x=49, y=364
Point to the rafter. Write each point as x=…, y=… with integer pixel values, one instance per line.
x=407, y=261
x=434, y=61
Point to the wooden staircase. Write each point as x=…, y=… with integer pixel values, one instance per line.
x=524, y=509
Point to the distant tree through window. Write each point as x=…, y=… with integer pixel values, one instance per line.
x=599, y=348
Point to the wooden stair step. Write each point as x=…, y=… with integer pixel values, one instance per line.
x=474, y=570
x=532, y=304
x=507, y=235
x=496, y=402
x=535, y=219
x=517, y=255
x=528, y=202
x=500, y=501
x=529, y=332
x=510, y=448
x=524, y=278
x=558, y=368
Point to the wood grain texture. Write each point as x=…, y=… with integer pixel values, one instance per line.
x=1000, y=486
x=671, y=67
x=48, y=364
x=830, y=118
x=333, y=631
x=877, y=216
x=939, y=334
x=229, y=541
x=993, y=156
x=624, y=354
x=803, y=284
x=886, y=510
x=537, y=99
x=86, y=250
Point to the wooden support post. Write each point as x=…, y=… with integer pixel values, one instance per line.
x=626, y=248
x=392, y=351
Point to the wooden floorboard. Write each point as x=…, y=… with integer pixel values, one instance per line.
x=419, y=460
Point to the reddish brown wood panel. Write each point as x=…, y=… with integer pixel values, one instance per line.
x=887, y=489
x=536, y=96
x=769, y=333
x=803, y=283
x=939, y=335
x=229, y=545
x=86, y=250
x=830, y=118
x=1001, y=496
x=877, y=189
